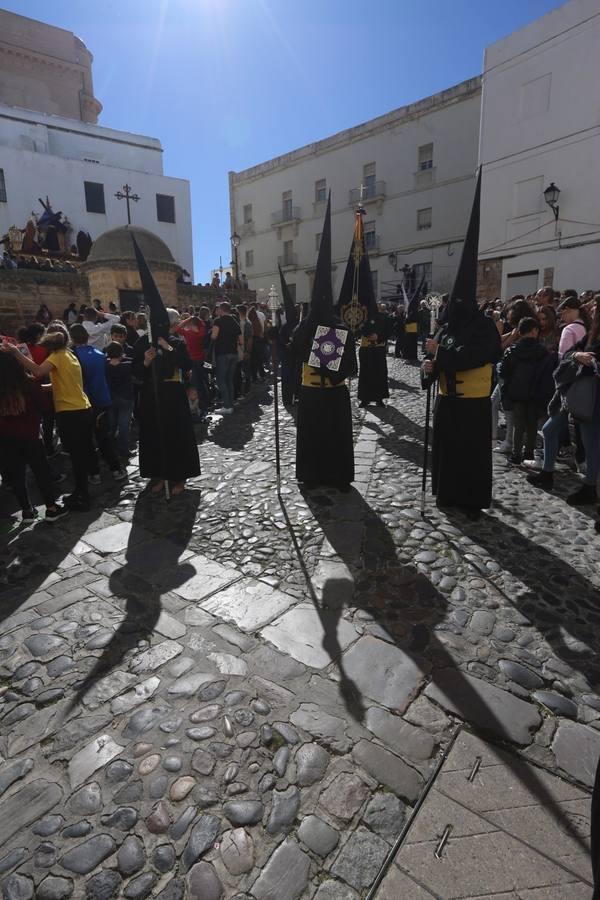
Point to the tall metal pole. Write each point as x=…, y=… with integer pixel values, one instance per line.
x=274, y=306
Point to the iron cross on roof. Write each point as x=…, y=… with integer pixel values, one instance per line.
x=126, y=194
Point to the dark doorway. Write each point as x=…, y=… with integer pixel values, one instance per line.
x=131, y=300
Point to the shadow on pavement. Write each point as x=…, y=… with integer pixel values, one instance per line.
x=556, y=593
x=151, y=569
x=404, y=609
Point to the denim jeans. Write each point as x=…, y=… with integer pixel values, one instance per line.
x=226, y=364
x=120, y=420
x=552, y=431
x=590, y=435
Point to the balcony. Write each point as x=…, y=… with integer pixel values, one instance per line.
x=288, y=260
x=371, y=193
x=286, y=216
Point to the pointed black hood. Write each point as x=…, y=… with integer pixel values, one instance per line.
x=356, y=304
x=462, y=305
x=157, y=312
x=291, y=311
x=321, y=310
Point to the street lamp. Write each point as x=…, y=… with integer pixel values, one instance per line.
x=235, y=241
x=551, y=197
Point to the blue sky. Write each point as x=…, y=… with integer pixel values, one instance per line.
x=226, y=84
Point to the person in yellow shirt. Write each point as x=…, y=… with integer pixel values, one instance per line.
x=74, y=419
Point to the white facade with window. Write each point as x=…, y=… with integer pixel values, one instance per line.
x=417, y=169
x=540, y=125
x=80, y=167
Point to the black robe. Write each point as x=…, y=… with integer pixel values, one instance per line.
x=373, y=373
x=167, y=442
x=461, y=470
x=324, y=441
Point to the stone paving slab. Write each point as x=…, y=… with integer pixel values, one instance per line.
x=251, y=711
x=505, y=835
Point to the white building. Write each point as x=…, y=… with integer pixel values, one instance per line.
x=539, y=126
x=417, y=165
x=54, y=149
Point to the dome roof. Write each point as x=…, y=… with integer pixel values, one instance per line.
x=116, y=245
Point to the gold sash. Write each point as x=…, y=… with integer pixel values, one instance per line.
x=311, y=377
x=365, y=342
x=410, y=328
x=472, y=384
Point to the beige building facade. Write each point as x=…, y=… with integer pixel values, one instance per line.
x=416, y=166
x=46, y=69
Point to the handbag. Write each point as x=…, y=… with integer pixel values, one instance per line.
x=580, y=399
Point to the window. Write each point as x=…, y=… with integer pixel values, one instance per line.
x=318, y=240
x=94, y=197
x=425, y=157
x=320, y=191
x=374, y=283
x=288, y=253
x=422, y=270
x=165, y=208
x=369, y=180
x=247, y=213
x=2, y=187
x=424, y=219
x=286, y=205
x=370, y=236
x=249, y=258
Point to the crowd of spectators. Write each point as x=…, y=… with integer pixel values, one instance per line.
x=70, y=385
x=548, y=386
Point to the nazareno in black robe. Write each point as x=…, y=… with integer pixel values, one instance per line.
x=373, y=373
x=324, y=442
x=167, y=443
x=461, y=469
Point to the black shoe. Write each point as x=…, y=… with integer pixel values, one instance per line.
x=380, y=403
x=586, y=494
x=363, y=405
x=59, y=512
x=29, y=515
x=515, y=459
x=76, y=503
x=542, y=479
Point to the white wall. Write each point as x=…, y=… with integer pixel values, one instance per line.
x=53, y=166
x=450, y=121
x=540, y=124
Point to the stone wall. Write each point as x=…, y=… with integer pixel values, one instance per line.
x=22, y=291
x=489, y=279
x=105, y=283
x=195, y=295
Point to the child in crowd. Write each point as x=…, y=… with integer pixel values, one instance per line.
x=526, y=371
x=120, y=385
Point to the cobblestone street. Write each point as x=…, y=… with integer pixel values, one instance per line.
x=232, y=696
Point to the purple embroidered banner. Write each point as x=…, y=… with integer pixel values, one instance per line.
x=328, y=348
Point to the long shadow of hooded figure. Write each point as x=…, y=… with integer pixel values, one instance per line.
x=151, y=569
x=401, y=607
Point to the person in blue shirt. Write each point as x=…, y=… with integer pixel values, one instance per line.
x=95, y=385
x=119, y=378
